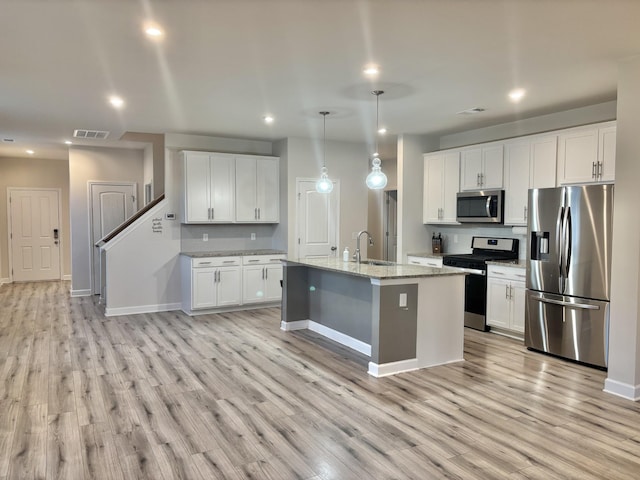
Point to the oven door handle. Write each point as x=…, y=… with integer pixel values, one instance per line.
x=473, y=271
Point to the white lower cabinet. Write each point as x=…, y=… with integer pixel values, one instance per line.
x=261, y=275
x=435, y=262
x=505, y=299
x=211, y=282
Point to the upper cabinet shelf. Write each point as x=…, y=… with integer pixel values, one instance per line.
x=227, y=188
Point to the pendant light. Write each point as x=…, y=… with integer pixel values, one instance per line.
x=376, y=180
x=324, y=184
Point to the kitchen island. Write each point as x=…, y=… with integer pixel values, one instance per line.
x=404, y=317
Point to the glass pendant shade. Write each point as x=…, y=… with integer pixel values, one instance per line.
x=324, y=184
x=376, y=180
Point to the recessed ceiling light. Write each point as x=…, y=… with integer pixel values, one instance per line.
x=382, y=131
x=371, y=70
x=268, y=119
x=30, y=152
x=117, y=102
x=517, y=94
x=153, y=31
x=68, y=142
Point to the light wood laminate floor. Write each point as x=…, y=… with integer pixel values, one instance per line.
x=230, y=396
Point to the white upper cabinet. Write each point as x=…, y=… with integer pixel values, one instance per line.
x=587, y=154
x=481, y=167
x=208, y=187
x=257, y=189
x=529, y=162
x=441, y=180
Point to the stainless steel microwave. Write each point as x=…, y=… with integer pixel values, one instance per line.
x=486, y=206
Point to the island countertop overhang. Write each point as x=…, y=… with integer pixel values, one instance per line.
x=378, y=272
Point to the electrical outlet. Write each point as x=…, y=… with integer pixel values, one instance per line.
x=205, y=237
x=403, y=300
x=455, y=238
x=253, y=236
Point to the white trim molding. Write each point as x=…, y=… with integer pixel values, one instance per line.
x=330, y=333
x=4, y=280
x=166, y=307
x=66, y=278
x=624, y=390
x=391, y=368
x=86, y=292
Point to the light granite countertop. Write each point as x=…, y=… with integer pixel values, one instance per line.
x=232, y=253
x=520, y=263
x=426, y=255
x=375, y=271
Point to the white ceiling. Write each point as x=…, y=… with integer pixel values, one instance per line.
x=223, y=64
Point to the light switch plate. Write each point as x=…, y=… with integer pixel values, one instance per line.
x=253, y=236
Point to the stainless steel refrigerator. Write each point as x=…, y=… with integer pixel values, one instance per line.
x=569, y=272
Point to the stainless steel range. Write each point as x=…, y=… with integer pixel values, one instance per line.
x=475, y=293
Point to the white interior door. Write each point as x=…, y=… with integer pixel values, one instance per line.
x=111, y=205
x=35, y=234
x=318, y=220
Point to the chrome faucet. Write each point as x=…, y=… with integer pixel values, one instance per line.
x=356, y=255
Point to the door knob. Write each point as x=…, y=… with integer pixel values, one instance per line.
x=334, y=248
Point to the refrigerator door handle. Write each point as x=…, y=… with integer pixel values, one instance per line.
x=567, y=242
x=584, y=306
x=559, y=247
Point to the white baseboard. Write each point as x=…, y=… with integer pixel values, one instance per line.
x=4, y=280
x=66, y=278
x=166, y=307
x=391, y=368
x=297, y=325
x=341, y=338
x=81, y=293
x=630, y=392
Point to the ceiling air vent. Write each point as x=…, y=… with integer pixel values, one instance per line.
x=91, y=134
x=471, y=111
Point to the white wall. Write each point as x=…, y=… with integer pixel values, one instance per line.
x=94, y=164
x=143, y=268
x=413, y=235
x=34, y=173
x=624, y=339
x=555, y=121
x=347, y=162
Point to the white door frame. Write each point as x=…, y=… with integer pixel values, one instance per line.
x=92, y=241
x=297, y=214
x=10, y=244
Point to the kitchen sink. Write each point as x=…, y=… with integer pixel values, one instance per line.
x=382, y=263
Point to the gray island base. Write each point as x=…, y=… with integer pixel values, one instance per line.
x=404, y=317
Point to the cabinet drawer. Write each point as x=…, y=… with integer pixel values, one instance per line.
x=425, y=261
x=516, y=274
x=214, y=262
x=262, y=259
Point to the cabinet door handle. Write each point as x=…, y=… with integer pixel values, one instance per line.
x=593, y=169
x=506, y=292
x=497, y=273
x=266, y=273
x=229, y=261
x=204, y=263
x=478, y=179
x=525, y=213
x=255, y=213
x=213, y=215
x=510, y=292
x=258, y=213
x=254, y=261
x=263, y=273
x=600, y=170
